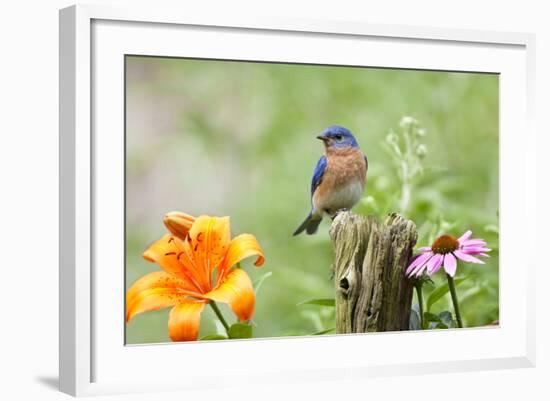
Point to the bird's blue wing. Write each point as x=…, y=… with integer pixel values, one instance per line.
x=318, y=173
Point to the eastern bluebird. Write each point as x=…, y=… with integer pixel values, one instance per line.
x=338, y=179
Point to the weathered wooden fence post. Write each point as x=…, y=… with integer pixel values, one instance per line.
x=372, y=292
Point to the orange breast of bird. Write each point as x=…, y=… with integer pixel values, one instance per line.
x=343, y=182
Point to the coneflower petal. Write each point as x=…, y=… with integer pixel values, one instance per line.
x=467, y=258
x=465, y=236
x=417, y=263
x=450, y=264
x=471, y=242
x=434, y=264
x=473, y=250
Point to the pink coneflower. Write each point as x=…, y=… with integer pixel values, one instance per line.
x=444, y=252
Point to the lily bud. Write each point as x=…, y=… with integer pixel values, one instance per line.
x=178, y=223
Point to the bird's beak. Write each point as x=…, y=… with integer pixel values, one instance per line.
x=322, y=138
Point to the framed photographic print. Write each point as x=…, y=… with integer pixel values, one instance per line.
x=267, y=187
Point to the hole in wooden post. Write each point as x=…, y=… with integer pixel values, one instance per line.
x=344, y=283
x=371, y=258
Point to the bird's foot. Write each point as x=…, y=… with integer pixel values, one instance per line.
x=333, y=216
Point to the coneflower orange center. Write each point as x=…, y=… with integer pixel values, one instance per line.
x=445, y=244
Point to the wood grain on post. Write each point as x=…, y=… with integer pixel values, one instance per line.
x=372, y=292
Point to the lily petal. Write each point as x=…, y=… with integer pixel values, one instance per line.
x=241, y=247
x=178, y=223
x=153, y=299
x=176, y=257
x=158, y=279
x=236, y=291
x=209, y=239
x=184, y=320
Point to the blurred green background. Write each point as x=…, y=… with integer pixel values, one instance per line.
x=238, y=139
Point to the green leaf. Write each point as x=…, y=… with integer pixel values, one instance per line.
x=323, y=332
x=259, y=281
x=320, y=301
x=430, y=317
x=436, y=325
x=211, y=337
x=446, y=318
x=440, y=292
x=442, y=321
x=414, y=320
x=240, y=330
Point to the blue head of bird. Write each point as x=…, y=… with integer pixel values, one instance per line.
x=338, y=137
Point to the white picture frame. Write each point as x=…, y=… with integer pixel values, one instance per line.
x=93, y=360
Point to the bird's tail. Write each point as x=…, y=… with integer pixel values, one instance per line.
x=310, y=224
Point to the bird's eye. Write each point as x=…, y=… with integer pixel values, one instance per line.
x=338, y=137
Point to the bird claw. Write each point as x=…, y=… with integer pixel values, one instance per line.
x=338, y=212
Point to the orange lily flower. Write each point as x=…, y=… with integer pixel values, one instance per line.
x=198, y=260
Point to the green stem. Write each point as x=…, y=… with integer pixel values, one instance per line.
x=219, y=315
x=455, y=300
x=418, y=287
